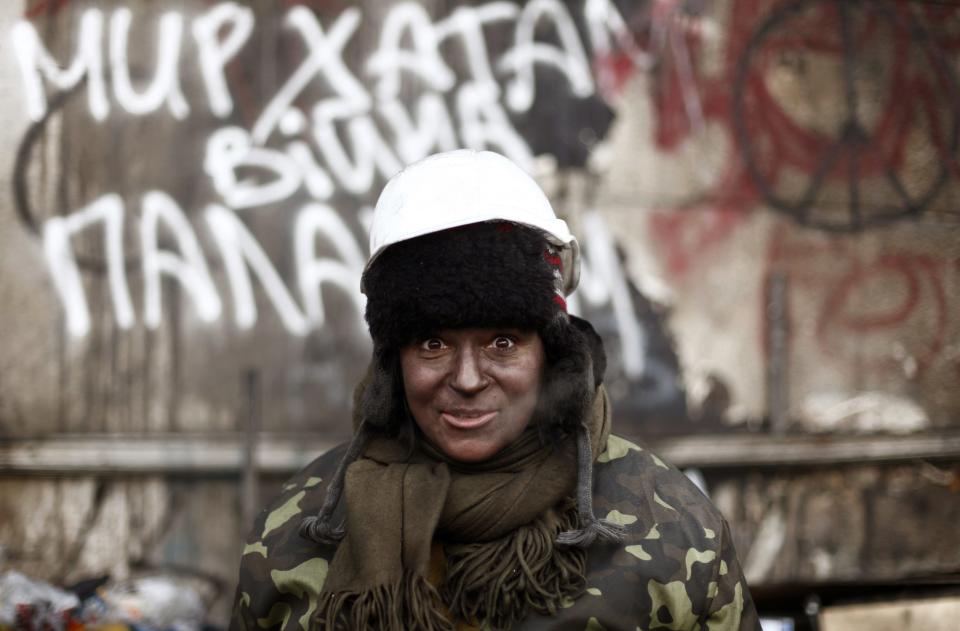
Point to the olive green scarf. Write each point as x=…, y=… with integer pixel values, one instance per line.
x=498, y=522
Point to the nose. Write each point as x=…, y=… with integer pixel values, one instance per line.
x=467, y=375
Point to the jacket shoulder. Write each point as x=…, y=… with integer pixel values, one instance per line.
x=676, y=566
x=281, y=573
x=632, y=477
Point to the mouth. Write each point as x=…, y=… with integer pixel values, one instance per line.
x=467, y=419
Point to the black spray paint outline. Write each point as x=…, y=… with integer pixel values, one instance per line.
x=854, y=137
x=21, y=193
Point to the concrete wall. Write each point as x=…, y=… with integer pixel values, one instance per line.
x=766, y=193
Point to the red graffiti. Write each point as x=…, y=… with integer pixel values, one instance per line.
x=44, y=7
x=665, y=37
x=916, y=278
x=859, y=154
x=947, y=16
x=894, y=272
x=612, y=72
x=784, y=143
x=896, y=296
x=682, y=237
x=859, y=151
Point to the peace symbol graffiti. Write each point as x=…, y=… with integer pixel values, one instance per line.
x=858, y=154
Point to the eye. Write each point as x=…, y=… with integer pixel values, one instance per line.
x=432, y=344
x=503, y=342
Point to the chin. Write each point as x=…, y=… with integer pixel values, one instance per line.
x=470, y=453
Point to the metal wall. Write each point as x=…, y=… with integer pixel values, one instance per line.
x=766, y=193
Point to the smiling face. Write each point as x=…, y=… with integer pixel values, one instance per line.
x=473, y=391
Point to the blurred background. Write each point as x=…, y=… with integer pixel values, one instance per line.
x=767, y=194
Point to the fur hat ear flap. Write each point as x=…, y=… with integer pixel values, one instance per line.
x=569, y=381
x=378, y=400
x=595, y=343
x=581, y=371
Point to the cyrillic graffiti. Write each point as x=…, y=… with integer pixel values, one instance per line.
x=348, y=140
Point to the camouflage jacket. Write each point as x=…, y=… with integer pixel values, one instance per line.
x=676, y=569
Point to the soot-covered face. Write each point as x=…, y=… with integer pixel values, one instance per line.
x=473, y=391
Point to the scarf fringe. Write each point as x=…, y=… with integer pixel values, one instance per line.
x=500, y=582
x=411, y=603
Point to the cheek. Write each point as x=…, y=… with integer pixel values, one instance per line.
x=419, y=382
x=525, y=384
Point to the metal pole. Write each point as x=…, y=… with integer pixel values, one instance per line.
x=778, y=401
x=251, y=426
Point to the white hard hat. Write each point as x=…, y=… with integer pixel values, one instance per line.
x=457, y=188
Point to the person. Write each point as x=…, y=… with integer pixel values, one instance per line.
x=483, y=487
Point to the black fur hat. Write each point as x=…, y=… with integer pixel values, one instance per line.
x=488, y=274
